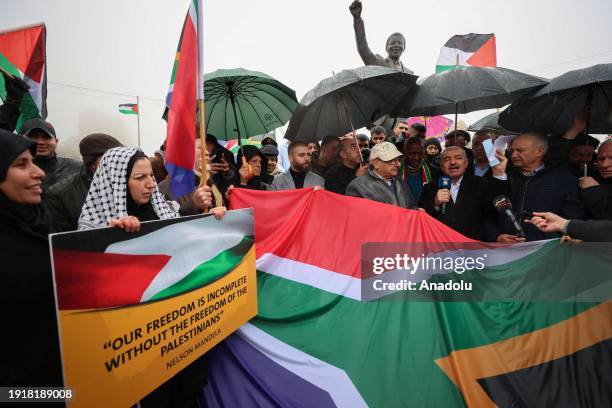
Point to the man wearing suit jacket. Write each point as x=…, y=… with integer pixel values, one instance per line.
x=469, y=201
x=299, y=174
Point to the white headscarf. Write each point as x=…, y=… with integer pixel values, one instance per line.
x=107, y=196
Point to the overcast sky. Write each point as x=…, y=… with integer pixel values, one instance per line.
x=102, y=53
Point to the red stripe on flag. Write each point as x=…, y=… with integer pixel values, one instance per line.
x=485, y=56
x=91, y=280
x=180, y=142
x=307, y=226
x=25, y=49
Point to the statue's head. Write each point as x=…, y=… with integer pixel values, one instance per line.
x=396, y=44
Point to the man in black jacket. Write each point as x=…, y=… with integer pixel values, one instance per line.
x=65, y=199
x=469, y=201
x=597, y=195
x=56, y=168
x=535, y=187
x=340, y=175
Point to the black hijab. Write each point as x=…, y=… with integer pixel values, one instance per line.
x=250, y=151
x=32, y=219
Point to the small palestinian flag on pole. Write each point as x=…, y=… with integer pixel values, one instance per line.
x=22, y=54
x=129, y=108
x=477, y=50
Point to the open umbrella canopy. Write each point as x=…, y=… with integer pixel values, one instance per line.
x=436, y=126
x=467, y=89
x=490, y=122
x=239, y=103
x=552, y=108
x=351, y=99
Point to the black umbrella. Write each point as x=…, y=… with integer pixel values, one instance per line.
x=467, y=89
x=489, y=122
x=351, y=99
x=552, y=108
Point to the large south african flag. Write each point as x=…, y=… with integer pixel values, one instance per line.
x=316, y=342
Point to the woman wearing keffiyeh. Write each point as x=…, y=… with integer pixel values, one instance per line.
x=415, y=170
x=123, y=193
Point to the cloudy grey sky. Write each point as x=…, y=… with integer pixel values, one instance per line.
x=102, y=53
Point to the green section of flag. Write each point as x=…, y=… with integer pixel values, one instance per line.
x=28, y=108
x=358, y=337
x=209, y=271
x=128, y=108
x=442, y=68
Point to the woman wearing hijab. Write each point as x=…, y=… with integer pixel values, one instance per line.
x=433, y=148
x=30, y=344
x=123, y=193
x=258, y=164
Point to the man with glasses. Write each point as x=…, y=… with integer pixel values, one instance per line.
x=363, y=141
x=381, y=182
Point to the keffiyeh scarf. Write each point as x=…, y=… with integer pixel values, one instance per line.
x=107, y=196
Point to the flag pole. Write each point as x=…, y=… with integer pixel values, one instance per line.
x=456, y=64
x=200, y=85
x=138, y=118
x=203, y=171
x=348, y=116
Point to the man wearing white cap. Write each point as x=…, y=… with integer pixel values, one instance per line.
x=381, y=182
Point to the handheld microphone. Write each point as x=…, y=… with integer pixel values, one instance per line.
x=444, y=183
x=503, y=205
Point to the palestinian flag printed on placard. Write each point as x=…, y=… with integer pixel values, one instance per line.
x=152, y=264
x=315, y=342
x=477, y=50
x=128, y=108
x=22, y=54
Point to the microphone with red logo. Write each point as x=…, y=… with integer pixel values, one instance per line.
x=503, y=205
x=444, y=183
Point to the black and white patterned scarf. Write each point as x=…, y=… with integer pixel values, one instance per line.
x=107, y=196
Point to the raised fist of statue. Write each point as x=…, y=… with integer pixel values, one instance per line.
x=355, y=8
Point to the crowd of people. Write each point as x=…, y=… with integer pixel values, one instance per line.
x=556, y=184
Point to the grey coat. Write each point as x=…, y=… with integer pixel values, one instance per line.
x=373, y=187
x=284, y=181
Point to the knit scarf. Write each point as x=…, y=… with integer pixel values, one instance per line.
x=422, y=168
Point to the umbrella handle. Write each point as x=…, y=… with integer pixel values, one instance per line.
x=348, y=115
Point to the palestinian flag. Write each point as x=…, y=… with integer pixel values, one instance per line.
x=129, y=108
x=315, y=342
x=233, y=146
x=22, y=54
x=186, y=84
x=476, y=50
x=135, y=309
x=154, y=263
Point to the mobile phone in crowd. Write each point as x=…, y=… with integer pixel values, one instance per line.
x=217, y=156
